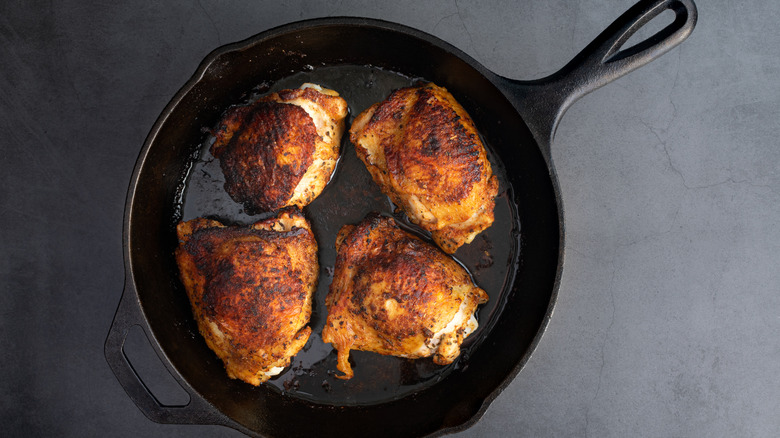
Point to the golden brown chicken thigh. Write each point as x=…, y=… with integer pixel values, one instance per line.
x=250, y=289
x=280, y=150
x=423, y=150
x=394, y=294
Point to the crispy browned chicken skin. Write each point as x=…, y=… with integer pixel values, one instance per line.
x=394, y=294
x=280, y=150
x=423, y=150
x=251, y=290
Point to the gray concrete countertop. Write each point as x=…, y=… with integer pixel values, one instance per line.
x=668, y=317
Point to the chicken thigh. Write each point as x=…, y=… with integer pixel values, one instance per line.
x=394, y=294
x=282, y=149
x=423, y=150
x=250, y=289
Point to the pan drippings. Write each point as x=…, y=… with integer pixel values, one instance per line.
x=347, y=199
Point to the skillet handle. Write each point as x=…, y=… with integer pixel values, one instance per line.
x=543, y=102
x=196, y=411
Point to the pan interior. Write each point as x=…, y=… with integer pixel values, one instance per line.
x=363, y=60
x=348, y=198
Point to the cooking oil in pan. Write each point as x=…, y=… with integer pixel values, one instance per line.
x=347, y=199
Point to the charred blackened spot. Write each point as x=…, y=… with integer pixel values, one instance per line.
x=431, y=145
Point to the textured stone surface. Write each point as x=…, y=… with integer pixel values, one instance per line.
x=668, y=317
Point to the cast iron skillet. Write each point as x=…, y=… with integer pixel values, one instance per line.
x=518, y=261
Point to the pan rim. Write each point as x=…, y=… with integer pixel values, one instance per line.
x=206, y=67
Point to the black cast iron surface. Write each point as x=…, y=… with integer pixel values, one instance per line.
x=389, y=386
x=524, y=267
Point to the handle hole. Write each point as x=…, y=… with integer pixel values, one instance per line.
x=648, y=34
x=149, y=368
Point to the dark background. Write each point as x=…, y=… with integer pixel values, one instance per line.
x=669, y=314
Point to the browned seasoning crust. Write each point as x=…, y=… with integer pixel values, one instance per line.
x=391, y=292
x=271, y=146
x=423, y=150
x=281, y=149
x=250, y=289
